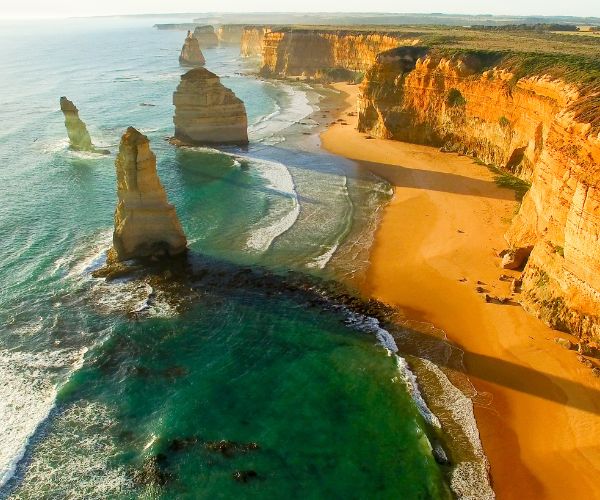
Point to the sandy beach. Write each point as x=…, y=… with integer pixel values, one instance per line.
x=438, y=238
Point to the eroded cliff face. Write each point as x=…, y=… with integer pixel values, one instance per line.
x=191, y=55
x=252, y=41
x=207, y=112
x=315, y=53
x=146, y=225
x=230, y=34
x=529, y=126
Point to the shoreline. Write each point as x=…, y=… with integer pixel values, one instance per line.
x=437, y=239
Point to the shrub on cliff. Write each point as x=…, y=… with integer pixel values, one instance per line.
x=455, y=98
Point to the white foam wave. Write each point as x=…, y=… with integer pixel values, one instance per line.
x=409, y=379
x=280, y=180
x=323, y=259
x=62, y=146
x=73, y=461
x=292, y=107
x=469, y=479
x=87, y=258
x=27, y=395
x=55, y=146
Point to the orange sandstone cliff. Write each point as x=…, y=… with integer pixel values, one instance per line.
x=252, y=41
x=230, y=34
x=539, y=128
x=317, y=53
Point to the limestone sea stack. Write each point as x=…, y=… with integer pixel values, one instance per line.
x=79, y=137
x=191, y=55
x=206, y=112
x=146, y=225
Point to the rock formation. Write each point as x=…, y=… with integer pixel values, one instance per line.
x=206, y=36
x=230, y=34
x=79, y=137
x=146, y=225
x=542, y=129
x=252, y=42
x=323, y=53
x=191, y=55
x=206, y=112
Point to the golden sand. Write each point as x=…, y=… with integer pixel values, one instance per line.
x=438, y=238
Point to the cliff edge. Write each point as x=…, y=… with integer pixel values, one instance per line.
x=530, y=123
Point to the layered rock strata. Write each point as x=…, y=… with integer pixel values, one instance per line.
x=79, y=137
x=191, y=55
x=252, y=41
x=207, y=112
x=318, y=54
x=541, y=129
x=146, y=224
x=206, y=36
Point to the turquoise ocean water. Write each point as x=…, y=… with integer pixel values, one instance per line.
x=95, y=404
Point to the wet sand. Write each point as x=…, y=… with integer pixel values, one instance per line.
x=438, y=238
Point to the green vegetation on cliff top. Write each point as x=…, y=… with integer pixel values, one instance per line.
x=523, y=51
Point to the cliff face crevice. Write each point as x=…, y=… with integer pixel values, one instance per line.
x=531, y=126
x=288, y=52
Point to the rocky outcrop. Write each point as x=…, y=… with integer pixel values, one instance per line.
x=207, y=39
x=252, y=42
x=146, y=225
x=191, y=55
x=79, y=137
x=319, y=53
x=207, y=112
x=539, y=128
x=230, y=34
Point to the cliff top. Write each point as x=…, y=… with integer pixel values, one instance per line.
x=581, y=70
x=585, y=44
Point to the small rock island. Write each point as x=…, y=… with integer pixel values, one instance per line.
x=146, y=224
x=191, y=55
x=207, y=112
x=79, y=137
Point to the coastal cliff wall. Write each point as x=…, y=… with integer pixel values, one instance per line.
x=542, y=129
x=252, y=40
x=230, y=34
x=315, y=53
x=206, y=36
